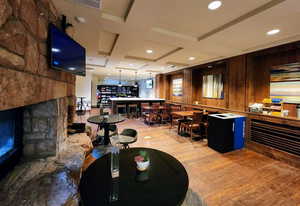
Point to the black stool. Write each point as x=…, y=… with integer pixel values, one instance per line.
x=128, y=136
x=122, y=107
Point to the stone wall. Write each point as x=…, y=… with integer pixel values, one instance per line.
x=45, y=128
x=25, y=77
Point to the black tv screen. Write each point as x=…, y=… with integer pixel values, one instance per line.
x=65, y=53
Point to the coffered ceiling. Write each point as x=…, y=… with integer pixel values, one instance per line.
x=179, y=33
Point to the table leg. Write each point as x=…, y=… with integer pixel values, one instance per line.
x=106, y=134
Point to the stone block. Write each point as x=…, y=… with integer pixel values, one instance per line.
x=43, y=48
x=5, y=11
x=29, y=15
x=45, y=148
x=31, y=55
x=40, y=125
x=29, y=137
x=43, y=66
x=42, y=28
x=16, y=6
x=12, y=37
x=27, y=125
x=11, y=60
x=43, y=8
x=29, y=149
x=45, y=109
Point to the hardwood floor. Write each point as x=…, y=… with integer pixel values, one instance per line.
x=237, y=178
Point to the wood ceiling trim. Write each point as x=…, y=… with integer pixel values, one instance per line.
x=242, y=18
x=128, y=9
x=112, y=18
x=174, y=34
x=274, y=43
x=124, y=68
x=177, y=64
x=99, y=65
x=112, y=47
x=139, y=58
x=157, y=59
x=169, y=53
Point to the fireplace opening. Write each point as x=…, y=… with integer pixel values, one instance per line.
x=11, y=130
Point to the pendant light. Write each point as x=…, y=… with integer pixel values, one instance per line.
x=120, y=83
x=135, y=82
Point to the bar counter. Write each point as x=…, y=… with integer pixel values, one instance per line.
x=134, y=100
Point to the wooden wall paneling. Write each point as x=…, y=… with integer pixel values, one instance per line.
x=237, y=83
x=167, y=86
x=292, y=109
x=197, y=85
x=187, y=86
x=261, y=74
x=160, y=86
x=250, y=92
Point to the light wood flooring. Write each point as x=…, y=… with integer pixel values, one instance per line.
x=237, y=178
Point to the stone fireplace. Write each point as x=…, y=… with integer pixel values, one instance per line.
x=51, y=162
x=45, y=128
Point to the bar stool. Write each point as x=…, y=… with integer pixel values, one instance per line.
x=132, y=110
x=122, y=107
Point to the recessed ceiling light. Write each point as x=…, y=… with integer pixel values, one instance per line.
x=72, y=68
x=80, y=19
x=55, y=50
x=214, y=5
x=273, y=31
x=149, y=51
x=192, y=58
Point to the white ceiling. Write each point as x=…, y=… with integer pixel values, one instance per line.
x=118, y=35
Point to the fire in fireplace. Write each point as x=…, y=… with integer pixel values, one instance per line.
x=10, y=139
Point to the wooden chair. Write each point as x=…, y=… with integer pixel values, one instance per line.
x=174, y=119
x=192, y=125
x=165, y=115
x=153, y=115
x=132, y=111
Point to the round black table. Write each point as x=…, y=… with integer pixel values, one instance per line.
x=104, y=121
x=164, y=183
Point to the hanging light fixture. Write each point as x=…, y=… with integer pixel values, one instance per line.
x=120, y=83
x=135, y=82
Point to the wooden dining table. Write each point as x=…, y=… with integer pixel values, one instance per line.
x=184, y=115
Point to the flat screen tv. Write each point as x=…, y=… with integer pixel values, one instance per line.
x=149, y=83
x=65, y=53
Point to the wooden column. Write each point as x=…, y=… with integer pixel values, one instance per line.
x=187, y=86
x=237, y=83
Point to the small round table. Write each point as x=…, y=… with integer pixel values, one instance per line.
x=164, y=183
x=104, y=121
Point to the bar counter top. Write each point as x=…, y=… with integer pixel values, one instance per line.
x=135, y=99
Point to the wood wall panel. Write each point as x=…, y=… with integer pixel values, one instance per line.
x=237, y=83
x=187, y=87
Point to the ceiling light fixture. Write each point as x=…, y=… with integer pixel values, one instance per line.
x=192, y=58
x=80, y=19
x=120, y=83
x=214, y=5
x=273, y=32
x=149, y=51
